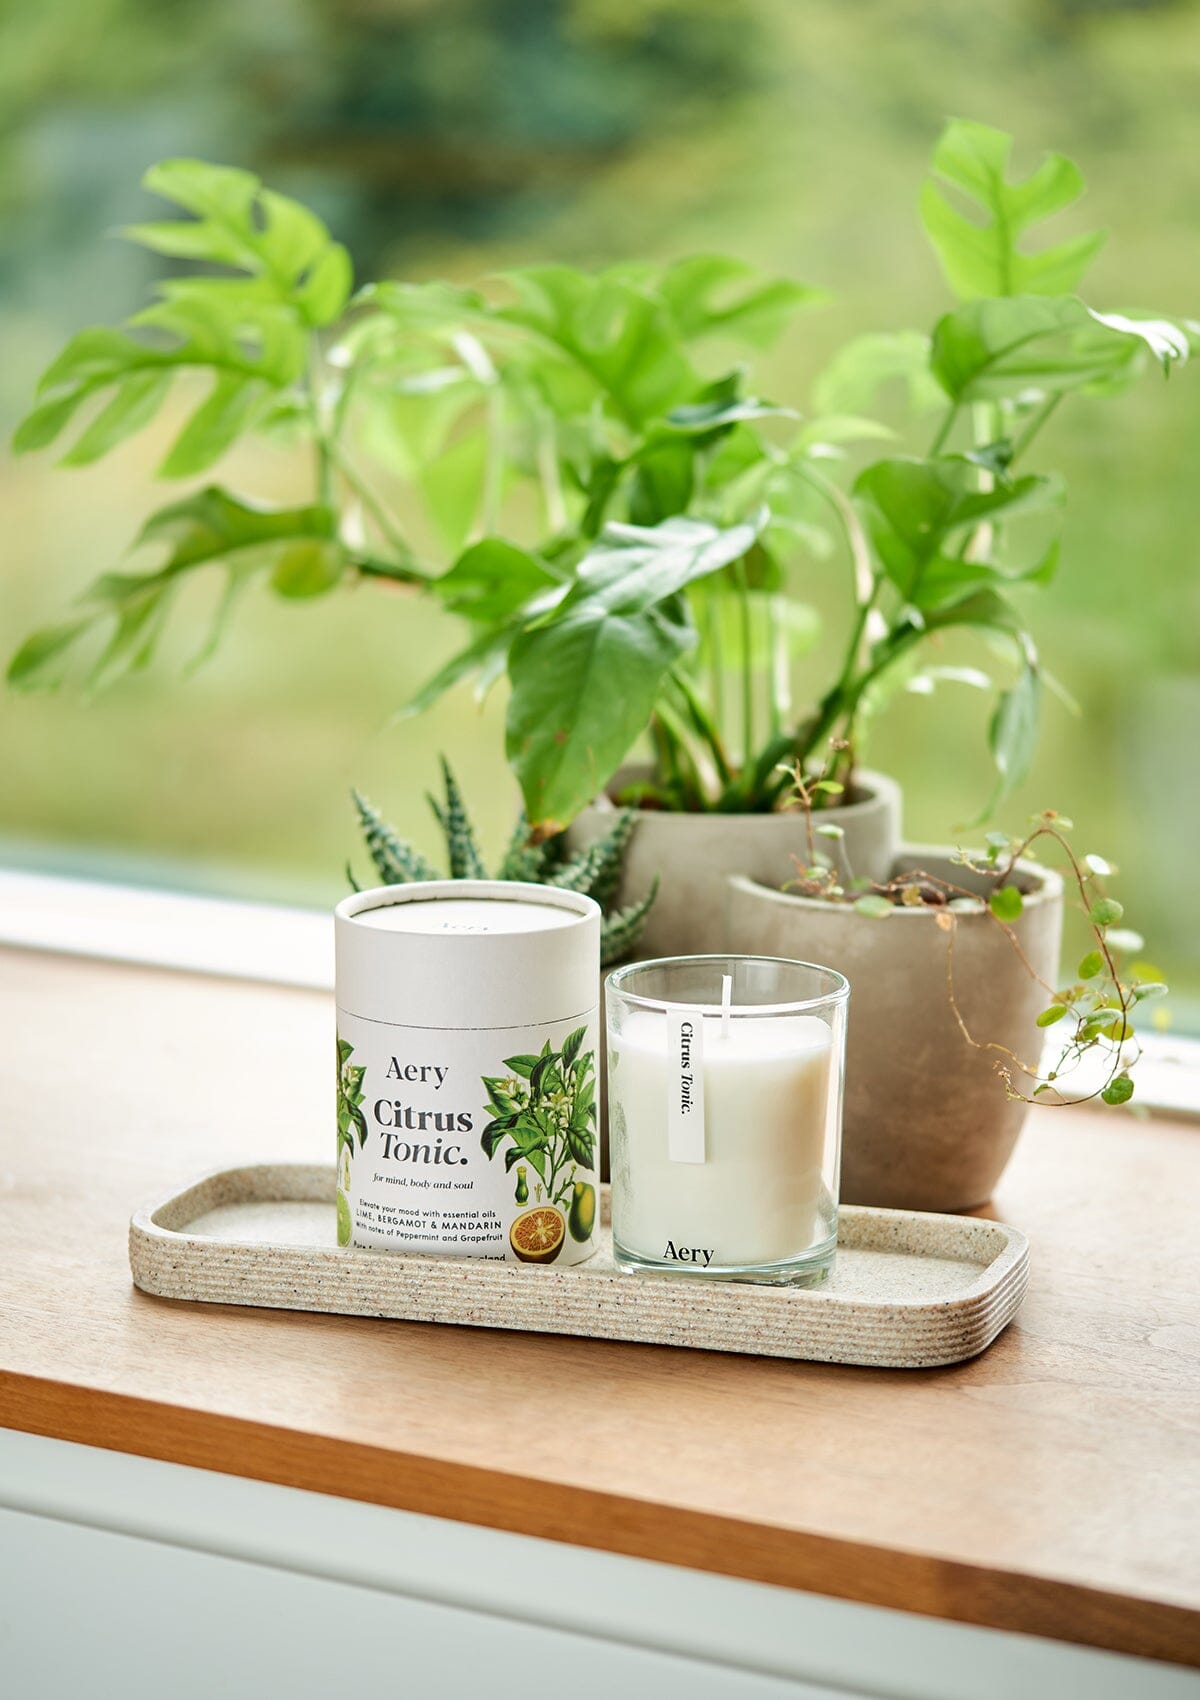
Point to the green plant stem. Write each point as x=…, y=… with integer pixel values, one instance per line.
x=341, y=406
x=985, y=424
x=372, y=503
x=783, y=662
x=776, y=683
x=866, y=591
x=666, y=754
x=331, y=456
x=547, y=458
x=716, y=658
x=944, y=430
x=321, y=444
x=834, y=705
x=746, y=633
x=705, y=724
x=394, y=571
x=985, y=427
x=494, y=462
x=857, y=689
x=841, y=701
x=1035, y=424
x=687, y=776
x=847, y=518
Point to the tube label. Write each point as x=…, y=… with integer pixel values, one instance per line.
x=481, y=1143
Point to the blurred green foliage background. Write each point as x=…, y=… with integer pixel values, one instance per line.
x=449, y=137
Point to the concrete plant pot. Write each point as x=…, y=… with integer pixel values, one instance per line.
x=695, y=854
x=927, y=1123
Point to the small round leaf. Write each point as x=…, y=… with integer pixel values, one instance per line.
x=875, y=905
x=1007, y=903
x=1118, y=1090
x=1091, y=965
x=1105, y=912
x=1049, y=1016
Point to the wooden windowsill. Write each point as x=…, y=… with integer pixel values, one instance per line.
x=1050, y=1487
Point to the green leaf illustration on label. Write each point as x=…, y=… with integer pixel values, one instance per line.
x=543, y=1116
x=351, y=1122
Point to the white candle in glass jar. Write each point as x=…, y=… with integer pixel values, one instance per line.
x=758, y=1195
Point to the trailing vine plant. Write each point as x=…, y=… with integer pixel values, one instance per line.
x=1096, y=1008
x=1098, y=1005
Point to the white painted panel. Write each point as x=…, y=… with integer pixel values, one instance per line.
x=87, y=1613
x=834, y=1644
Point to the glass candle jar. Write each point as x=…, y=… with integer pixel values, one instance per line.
x=725, y=1116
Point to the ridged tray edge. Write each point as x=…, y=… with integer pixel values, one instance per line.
x=589, y=1299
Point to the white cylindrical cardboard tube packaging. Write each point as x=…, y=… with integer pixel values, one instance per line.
x=467, y=1093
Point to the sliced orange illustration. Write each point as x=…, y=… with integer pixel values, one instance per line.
x=537, y=1236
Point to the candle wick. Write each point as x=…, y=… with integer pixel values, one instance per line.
x=726, y=1000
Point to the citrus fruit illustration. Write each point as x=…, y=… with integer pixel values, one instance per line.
x=344, y=1224
x=583, y=1211
x=537, y=1235
x=344, y=1169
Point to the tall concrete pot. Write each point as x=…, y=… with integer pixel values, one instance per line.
x=928, y=1125
x=694, y=855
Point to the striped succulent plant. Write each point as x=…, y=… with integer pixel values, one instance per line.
x=594, y=871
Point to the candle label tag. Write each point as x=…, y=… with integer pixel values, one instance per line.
x=685, y=1086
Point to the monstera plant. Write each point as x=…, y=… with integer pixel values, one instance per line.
x=652, y=593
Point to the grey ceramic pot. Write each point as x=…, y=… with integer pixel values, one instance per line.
x=695, y=854
x=928, y=1125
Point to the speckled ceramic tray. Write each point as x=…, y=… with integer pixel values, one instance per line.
x=908, y=1290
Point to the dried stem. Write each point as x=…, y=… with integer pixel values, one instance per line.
x=816, y=881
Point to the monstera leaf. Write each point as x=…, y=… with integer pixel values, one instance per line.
x=715, y=295
x=979, y=250
x=248, y=333
x=297, y=547
x=612, y=329
x=240, y=223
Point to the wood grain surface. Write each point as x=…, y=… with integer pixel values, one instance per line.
x=1051, y=1486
